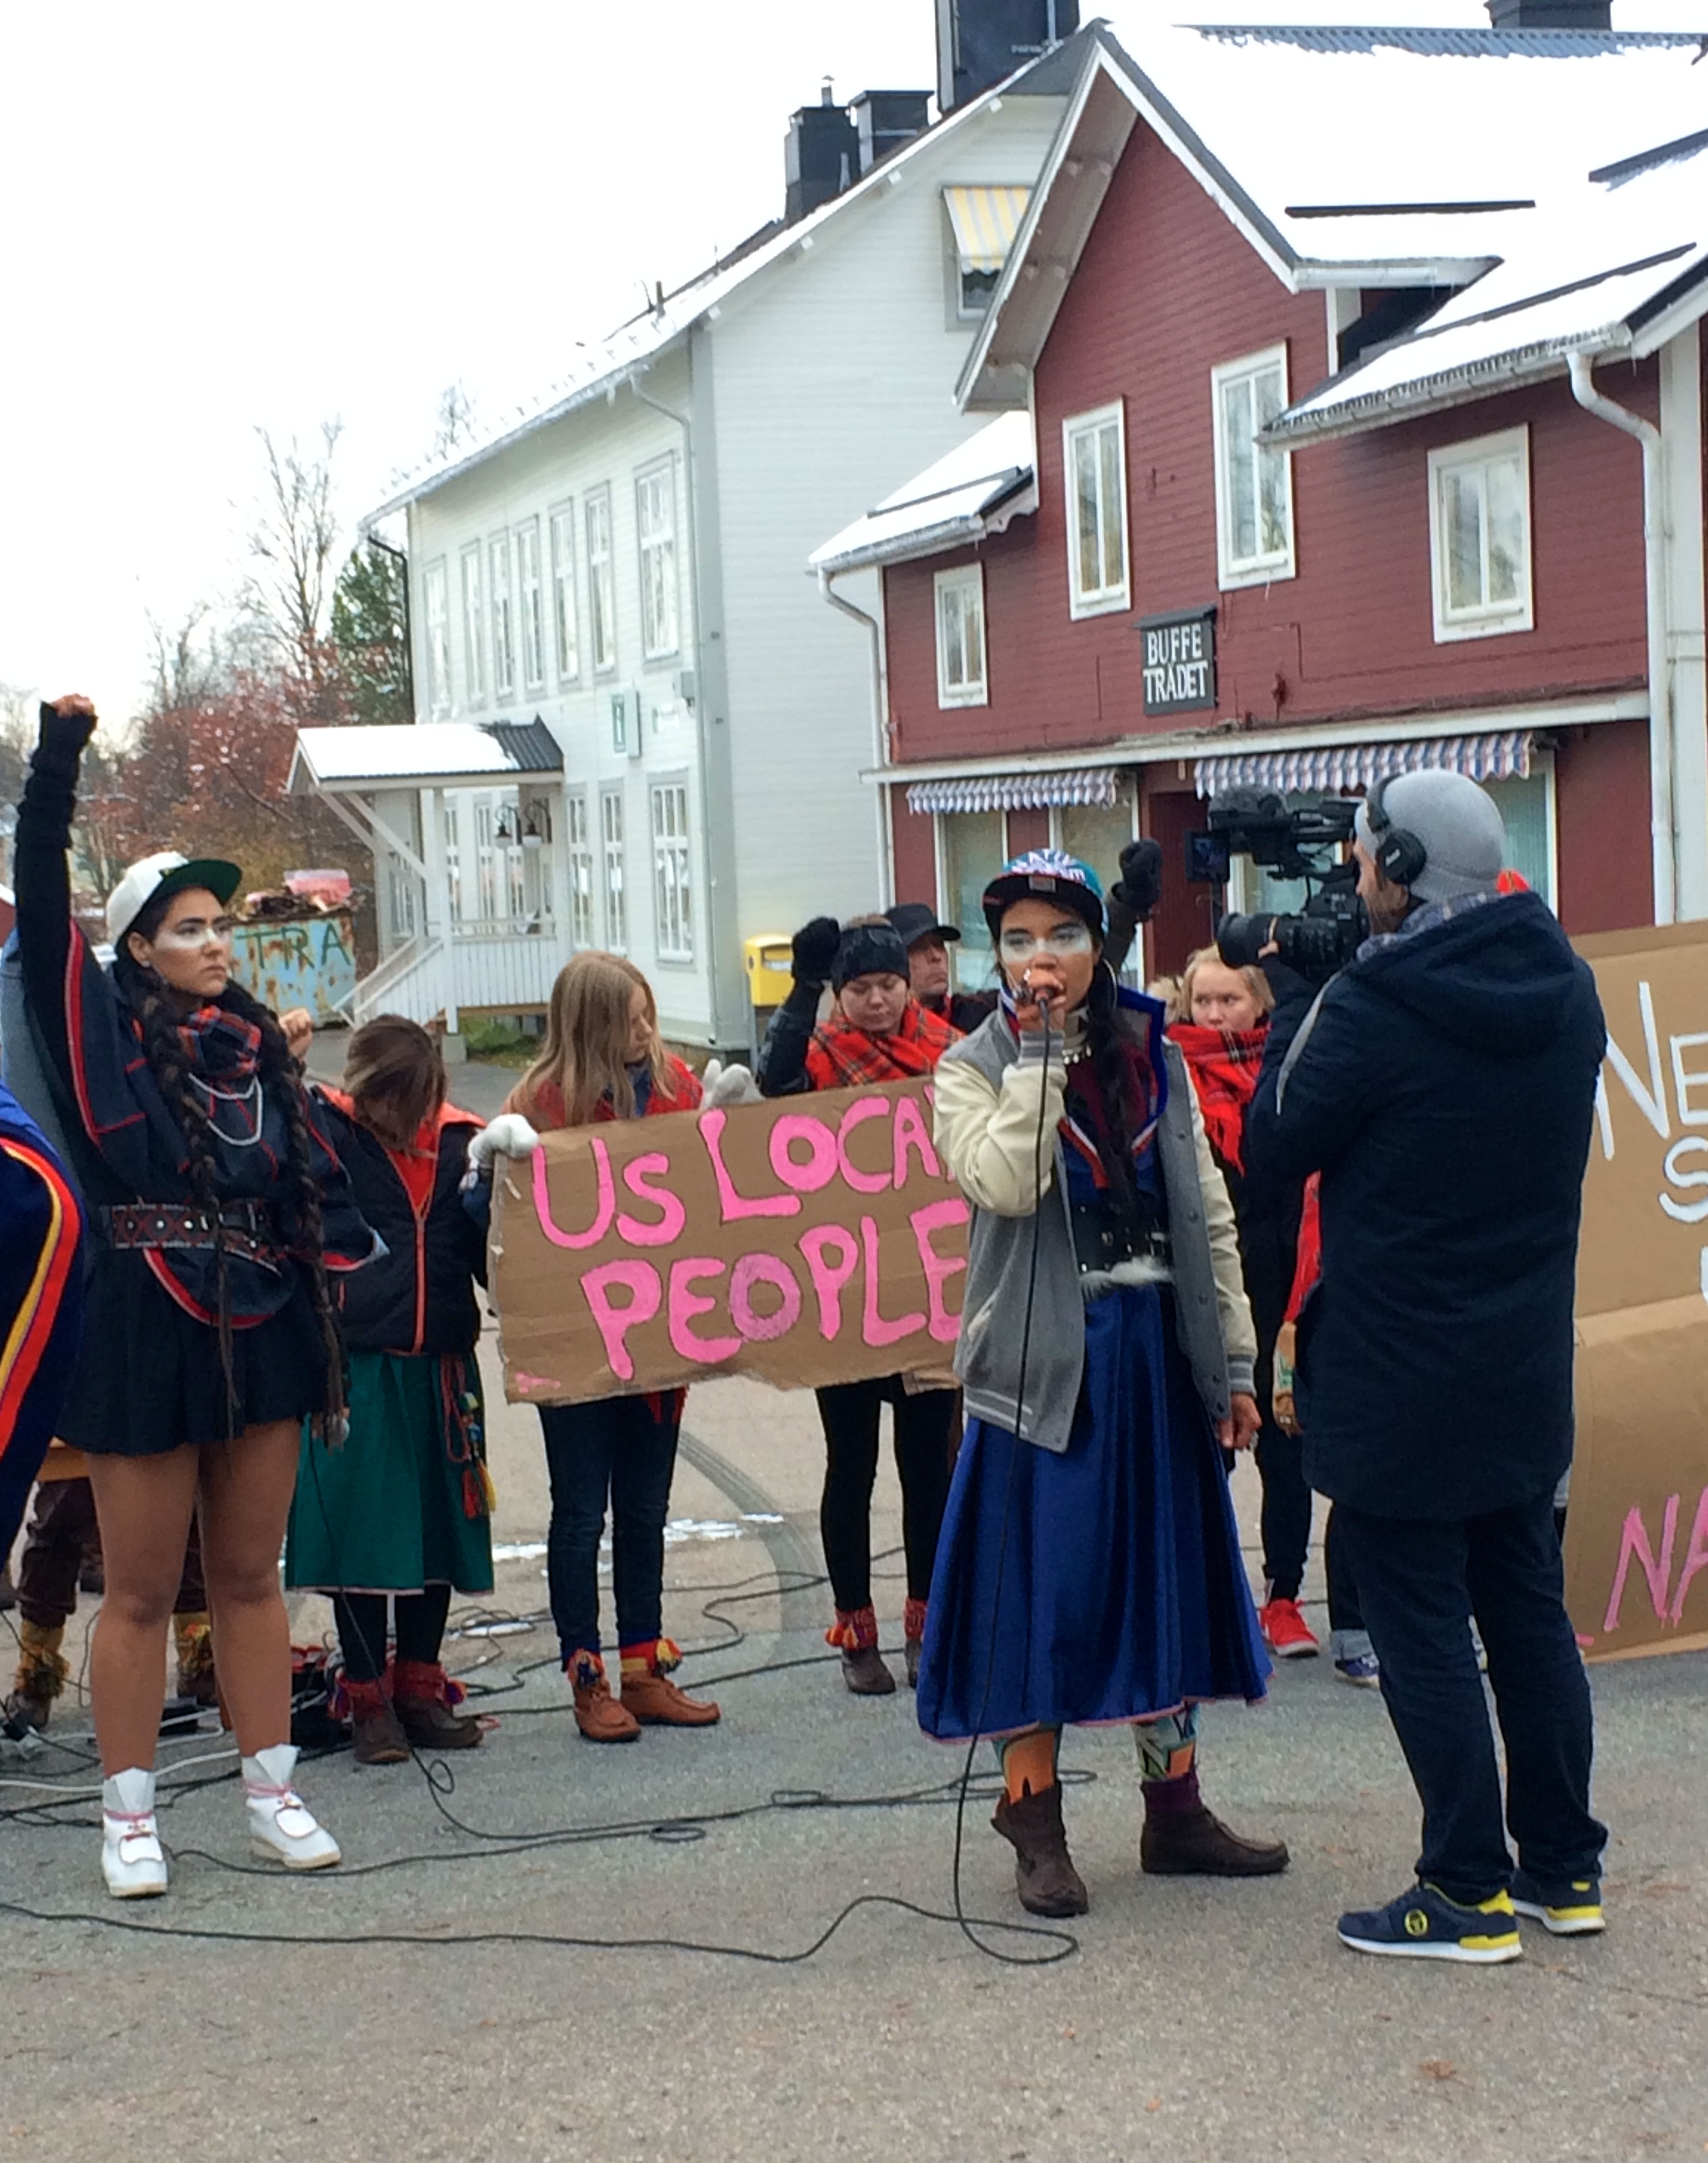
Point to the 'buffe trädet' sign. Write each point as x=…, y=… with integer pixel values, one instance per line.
x=811, y=1240
x=1179, y=661
x=1637, y=1534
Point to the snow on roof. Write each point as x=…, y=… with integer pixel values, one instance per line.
x=1596, y=264
x=429, y=754
x=949, y=503
x=637, y=343
x=1311, y=120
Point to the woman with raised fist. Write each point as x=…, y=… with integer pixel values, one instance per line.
x=217, y=1213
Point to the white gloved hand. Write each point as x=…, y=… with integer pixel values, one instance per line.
x=728, y=1085
x=509, y=1135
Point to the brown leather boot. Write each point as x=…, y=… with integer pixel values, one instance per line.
x=652, y=1697
x=1197, y=1844
x=375, y=1737
x=41, y=1675
x=913, y=1638
x=422, y=1700
x=598, y=1715
x=855, y=1632
x=1045, y=1876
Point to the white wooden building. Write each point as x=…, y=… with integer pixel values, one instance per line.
x=624, y=568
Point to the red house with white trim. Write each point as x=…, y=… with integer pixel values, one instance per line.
x=1367, y=441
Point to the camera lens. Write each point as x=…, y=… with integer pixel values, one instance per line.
x=1241, y=939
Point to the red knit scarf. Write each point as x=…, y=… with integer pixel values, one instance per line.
x=1224, y=1070
x=842, y=1057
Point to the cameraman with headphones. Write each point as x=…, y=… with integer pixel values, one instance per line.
x=1443, y=1085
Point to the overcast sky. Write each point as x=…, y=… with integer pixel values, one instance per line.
x=223, y=216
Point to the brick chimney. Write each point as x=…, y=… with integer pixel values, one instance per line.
x=980, y=41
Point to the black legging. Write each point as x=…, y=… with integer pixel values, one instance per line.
x=924, y=1426
x=361, y=1620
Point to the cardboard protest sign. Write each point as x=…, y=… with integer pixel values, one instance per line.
x=810, y=1240
x=1637, y=1535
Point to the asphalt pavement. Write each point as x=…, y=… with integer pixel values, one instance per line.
x=739, y=1943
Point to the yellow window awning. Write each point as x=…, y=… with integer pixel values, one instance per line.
x=985, y=221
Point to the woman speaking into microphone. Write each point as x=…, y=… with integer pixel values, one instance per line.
x=1089, y=1567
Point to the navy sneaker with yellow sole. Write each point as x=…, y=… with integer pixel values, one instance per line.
x=1425, y=1925
x=1565, y=1907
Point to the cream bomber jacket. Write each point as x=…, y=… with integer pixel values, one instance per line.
x=991, y=1138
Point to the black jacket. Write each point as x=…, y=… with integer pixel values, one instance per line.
x=420, y=1297
x=1444, y=1086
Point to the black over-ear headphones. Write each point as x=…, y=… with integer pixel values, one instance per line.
x=1400, y=855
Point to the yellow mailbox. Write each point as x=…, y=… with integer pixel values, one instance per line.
x=770, y=969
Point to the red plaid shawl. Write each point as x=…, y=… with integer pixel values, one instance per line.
x=1224, y=1070
x=839, y=1057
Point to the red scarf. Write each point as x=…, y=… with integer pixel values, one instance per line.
x=1224, y=1070
x=842, y=1057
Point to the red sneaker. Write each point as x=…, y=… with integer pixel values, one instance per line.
x=1286, y=1631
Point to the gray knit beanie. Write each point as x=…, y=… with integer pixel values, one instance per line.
x=1464, y=839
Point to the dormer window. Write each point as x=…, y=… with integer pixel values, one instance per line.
x=982, y=224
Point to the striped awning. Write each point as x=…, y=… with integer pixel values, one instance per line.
x=1096, y=785
x=1496, y=757
x=985, y=221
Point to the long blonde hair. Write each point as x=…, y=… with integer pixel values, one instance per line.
x=585, y=1057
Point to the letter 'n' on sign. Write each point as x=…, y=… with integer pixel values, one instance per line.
x=807, y=1242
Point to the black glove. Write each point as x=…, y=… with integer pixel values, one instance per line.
x=1139, y=887
x=60, y=741
x=815, y=946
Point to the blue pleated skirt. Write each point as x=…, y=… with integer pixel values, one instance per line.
x=1104, y=1583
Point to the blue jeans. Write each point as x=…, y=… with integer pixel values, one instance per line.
x=1420, y=1580
x=618, y=1451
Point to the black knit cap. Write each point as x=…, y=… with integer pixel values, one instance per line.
x=868, y=950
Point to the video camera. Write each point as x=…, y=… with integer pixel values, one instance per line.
x=1256, y=823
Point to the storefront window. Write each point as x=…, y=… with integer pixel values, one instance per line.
x=972, y=853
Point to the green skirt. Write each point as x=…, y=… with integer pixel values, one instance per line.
x=402, y=1504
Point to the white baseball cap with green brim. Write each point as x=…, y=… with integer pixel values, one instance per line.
x=166, y=873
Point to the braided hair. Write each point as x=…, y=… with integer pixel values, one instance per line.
x=1112, y=1071
x=163, y=1047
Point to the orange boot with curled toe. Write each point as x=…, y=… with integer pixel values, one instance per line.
x=650, y=1696
x=598, y=1715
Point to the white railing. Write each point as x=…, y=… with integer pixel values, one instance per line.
x=410, y=981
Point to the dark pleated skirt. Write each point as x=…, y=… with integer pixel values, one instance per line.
x=1104, y=1583
x=148, y=1377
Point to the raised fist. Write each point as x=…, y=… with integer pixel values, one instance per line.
x=815, y=946
x=1140, y=889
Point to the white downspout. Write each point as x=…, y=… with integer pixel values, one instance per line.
x=881, y=733
x=1662, y=820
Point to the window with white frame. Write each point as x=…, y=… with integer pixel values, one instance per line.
x=1094, y=463
x=580, y=872
x=474, y=627
x=971, y=849
x=960, y=664
x=565, y=629
x=1479, y=536
x=531, y=600
x=1254, y=483
x=673, y=895
x=503, y=608
x=617, y=900
x=601, y=582
x=655, y=519
x=436, y=593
